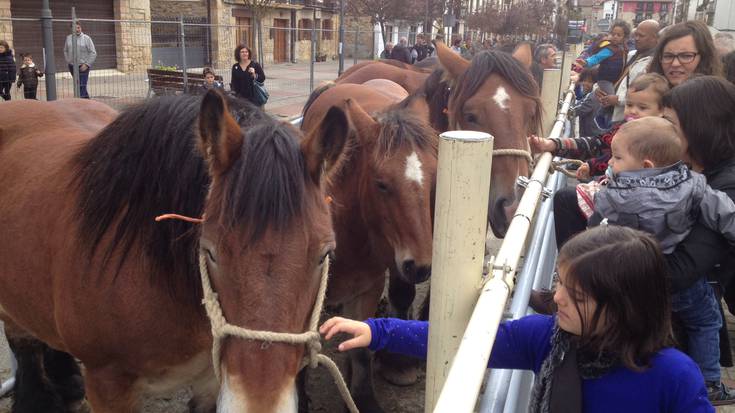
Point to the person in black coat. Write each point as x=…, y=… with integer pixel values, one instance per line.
x=401, y=51
x=7, y=69
x=244, y=72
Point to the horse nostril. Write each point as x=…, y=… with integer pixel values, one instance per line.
x=409, y=266
x=423, y=273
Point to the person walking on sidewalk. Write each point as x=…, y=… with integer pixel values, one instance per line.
x=28, y=76
x=85, y=56
x=7, y=70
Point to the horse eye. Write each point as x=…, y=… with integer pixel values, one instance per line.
x=382, y=187
x=470, y=118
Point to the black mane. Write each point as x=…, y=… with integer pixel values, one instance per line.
x=145, y=163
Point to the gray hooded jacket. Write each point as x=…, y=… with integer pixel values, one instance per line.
x=665, y=202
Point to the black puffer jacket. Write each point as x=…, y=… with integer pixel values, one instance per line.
x=705, y=249
x=7, y=67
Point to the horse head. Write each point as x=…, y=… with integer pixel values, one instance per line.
x=266, y=236
x=392, y=169
x=495, y=93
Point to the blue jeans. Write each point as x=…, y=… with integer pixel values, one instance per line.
x=83, y=78
x=699, y=313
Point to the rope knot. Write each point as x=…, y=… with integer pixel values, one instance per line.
x=314, y=347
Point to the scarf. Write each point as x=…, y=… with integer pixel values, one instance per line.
x=558, y=387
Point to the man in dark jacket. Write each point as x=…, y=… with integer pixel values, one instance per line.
x=401, y=52
x=7, y=69
x=423, y=50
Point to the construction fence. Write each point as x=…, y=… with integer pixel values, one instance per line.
x=294, y=59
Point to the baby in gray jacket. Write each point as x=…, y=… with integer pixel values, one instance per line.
x=650, y=189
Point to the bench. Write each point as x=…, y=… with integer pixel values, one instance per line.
x=171, y=82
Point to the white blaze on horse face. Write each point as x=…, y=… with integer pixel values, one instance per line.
x=413, y=169
x=502, y=98
x=230, y=401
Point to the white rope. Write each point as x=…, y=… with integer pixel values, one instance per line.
x=310, y=338
x=514, y=152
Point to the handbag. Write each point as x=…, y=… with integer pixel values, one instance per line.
x=260, y=93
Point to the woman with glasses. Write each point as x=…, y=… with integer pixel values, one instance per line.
x=685, y=49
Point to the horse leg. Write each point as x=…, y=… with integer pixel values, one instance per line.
x=33, y=393
x=205, y=390
x=109, y=391
x=397, y=369
x=65, y=376
x=361, y=371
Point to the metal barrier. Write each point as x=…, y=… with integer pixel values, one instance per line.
x=464, y=379
x=9, y=383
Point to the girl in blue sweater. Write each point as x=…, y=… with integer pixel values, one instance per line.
x=606, y=350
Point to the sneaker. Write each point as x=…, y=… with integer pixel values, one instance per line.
x=719, y=394
x=542, y=301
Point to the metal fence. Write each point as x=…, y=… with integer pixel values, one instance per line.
x=294, y=59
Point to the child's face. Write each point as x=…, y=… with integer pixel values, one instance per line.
x=27, y=60
x=568, y=299
x=587, y=85
x=2, y=49
x=641, y=103
x=617, y=35
x=209, y=78
x=622, y=160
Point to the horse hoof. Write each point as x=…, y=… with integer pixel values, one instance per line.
x=399, y=375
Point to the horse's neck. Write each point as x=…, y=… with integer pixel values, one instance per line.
x=436, y=104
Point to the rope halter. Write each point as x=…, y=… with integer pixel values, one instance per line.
x=311, y=338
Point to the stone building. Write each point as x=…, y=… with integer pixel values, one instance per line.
x=132, y=35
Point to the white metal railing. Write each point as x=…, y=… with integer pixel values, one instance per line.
x=465, y=377
x=9, y=383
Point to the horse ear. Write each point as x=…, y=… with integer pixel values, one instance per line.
x=360, y=119
x=523, y=54
x=451, y=61
x=325, y=144
x=220, y=139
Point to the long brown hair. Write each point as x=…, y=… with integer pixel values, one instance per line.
x=709, y=63
x=624, y=271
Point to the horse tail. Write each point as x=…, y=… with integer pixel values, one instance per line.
x=315, y=94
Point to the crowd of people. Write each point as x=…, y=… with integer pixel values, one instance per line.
x=635, y=321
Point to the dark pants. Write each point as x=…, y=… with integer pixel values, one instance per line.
x=83, y=78
x=5, y=90
x=30, y=93
x=568, y=219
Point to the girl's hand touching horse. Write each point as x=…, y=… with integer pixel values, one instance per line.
x=360, y=331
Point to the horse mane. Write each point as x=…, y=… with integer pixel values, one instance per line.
x=406, y=66
x=436, y=92
x=146, y=163
x=485, y=64
x=314, y=95
x=399, y=128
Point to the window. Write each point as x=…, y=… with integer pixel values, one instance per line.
x=412, y=34
x=649, y=7
x=664, y=8
x=327, y=28
x=305, y=29
x=388, y=33
x=639, y=6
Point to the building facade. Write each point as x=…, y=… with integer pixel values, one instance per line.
x=132, y=35
x=635, y=11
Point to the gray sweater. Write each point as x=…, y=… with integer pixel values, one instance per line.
x=665, y=202
x=86, y=53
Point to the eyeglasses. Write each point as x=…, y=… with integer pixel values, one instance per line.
x=684, y=58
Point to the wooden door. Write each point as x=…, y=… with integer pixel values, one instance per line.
x=280, y=40
x=244, y=29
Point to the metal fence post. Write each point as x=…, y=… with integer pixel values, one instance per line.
x=313, y=52
x=183, y=52
x=48, y=50
x=341, y=37
x=74, y=52
x=357, y=40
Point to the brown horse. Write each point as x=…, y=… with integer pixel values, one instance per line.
x=90, y=273
x=382, y=205
x=409, y=77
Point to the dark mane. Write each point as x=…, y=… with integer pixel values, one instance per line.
x=485, y=64
x=313, y=97
x=145, y=163
x=399, y=128
x=436, y=91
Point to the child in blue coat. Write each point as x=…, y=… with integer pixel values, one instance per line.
x=608, y=346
